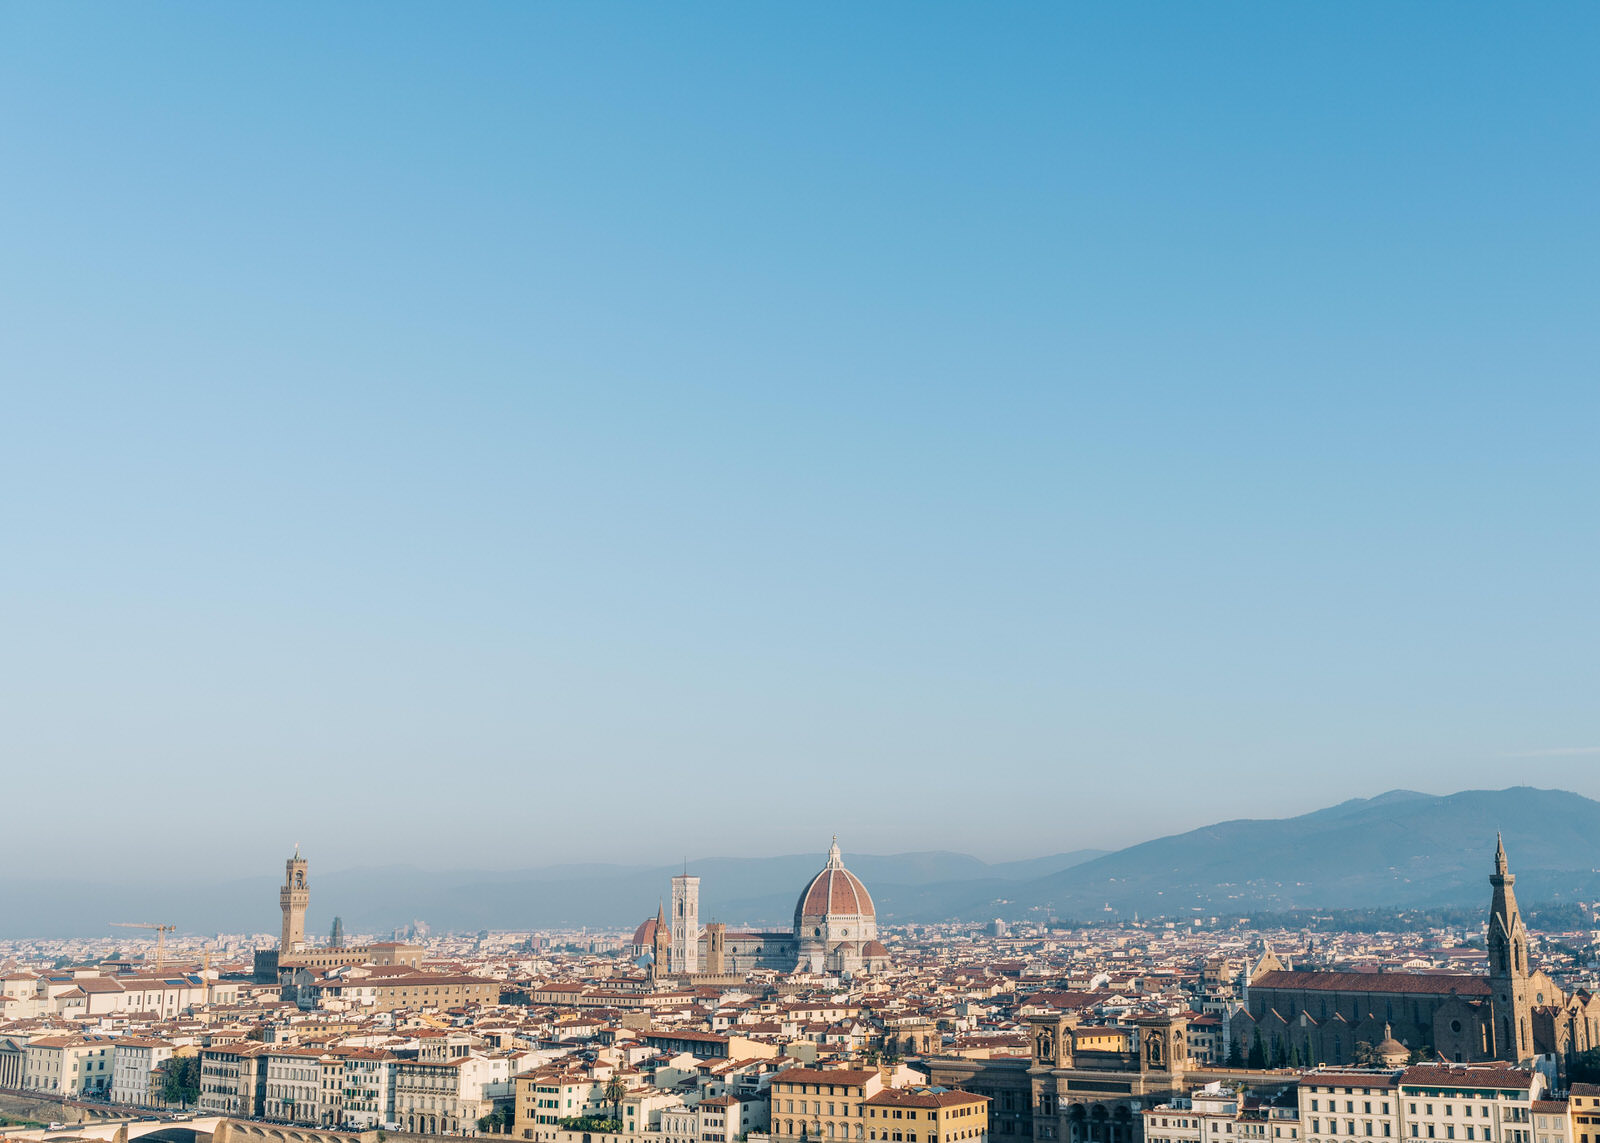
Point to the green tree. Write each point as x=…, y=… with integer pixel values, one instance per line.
x=592, y=1123
x=498, y=1121
x=1367, y=1055
x=615, y=1091
x=1258, y=1053
x=180, y=1080
x=1585, y=1067
x=1235, y=1053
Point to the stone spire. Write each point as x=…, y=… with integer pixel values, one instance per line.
x=660, y=944
x=1508, y=966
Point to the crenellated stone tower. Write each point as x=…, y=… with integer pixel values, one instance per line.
x=293, y=899
x=716, y=949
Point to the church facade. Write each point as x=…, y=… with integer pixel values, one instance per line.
x=1514, y=1014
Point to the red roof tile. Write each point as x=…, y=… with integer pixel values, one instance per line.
x=1429, y=983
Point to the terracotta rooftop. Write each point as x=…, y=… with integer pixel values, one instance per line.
x=1407, y=983
x=1441, y=1075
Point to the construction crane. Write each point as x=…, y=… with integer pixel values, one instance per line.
x=161, y=937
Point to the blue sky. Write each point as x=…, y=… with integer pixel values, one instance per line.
x=480, y=435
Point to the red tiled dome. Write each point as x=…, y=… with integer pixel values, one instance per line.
x=834, y=891
x=645, y=934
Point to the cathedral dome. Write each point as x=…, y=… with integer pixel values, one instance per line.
x=645, y=935
x=834, y=900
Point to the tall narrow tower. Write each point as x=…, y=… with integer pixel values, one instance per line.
x=292, y=899
x=716, y=948
x=661, y=945
x=1511, y=1033
x=685, y=924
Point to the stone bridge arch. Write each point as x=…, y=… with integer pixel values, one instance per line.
x=176, y=1134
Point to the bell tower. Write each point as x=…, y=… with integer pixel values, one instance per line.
x=685, y=924
x=1511, y=1032
x=292, y=899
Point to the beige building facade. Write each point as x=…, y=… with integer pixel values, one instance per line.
x=821, y=1103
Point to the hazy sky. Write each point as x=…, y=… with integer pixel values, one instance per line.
x=505, y=433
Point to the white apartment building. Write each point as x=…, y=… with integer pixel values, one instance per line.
x=1344, y=1102
x=680, y=1125
x=228, y=1076
x=1470, y=1104
x=68, y=1065
x=642, y=1109
x=369, y=1088
x=1450, y=1103
x=448, y=1097
x=294, y=1087
x=168, y=996
x=21, y=997
x=1552, y=1119
x=1215, y=1114
x=133, y=1064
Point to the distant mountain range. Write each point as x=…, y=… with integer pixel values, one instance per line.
x=1399, y=850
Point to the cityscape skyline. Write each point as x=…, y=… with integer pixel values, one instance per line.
x=1415, y=858
x=1123, y=1032
x=729, y=573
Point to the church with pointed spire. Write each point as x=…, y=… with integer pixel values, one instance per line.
x=1516, y=1013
